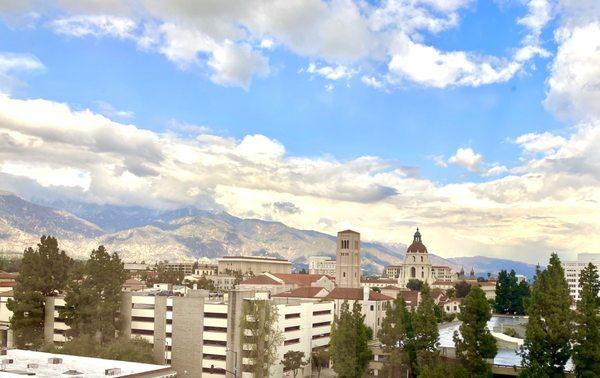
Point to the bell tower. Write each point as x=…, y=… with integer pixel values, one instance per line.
x=347, y=268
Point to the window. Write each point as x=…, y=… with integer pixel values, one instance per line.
x=422, y=274
x=216, y=315
x=421, y=258
x=213, y=357
x=323, y=312
x=292, y=328
x=413, y=272
x=372, y=308
x=321, y=324
x=292, y=341
x=214, y=342
x=414, y=259
x=291, y=316
x=215, y=329
x=344, y=274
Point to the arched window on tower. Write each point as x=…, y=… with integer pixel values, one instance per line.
x=413, y=272
x=421, y=258
x=414, y=259
x=422, y=274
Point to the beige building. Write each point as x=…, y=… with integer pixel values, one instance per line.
x=377, y=282
x=278, y=283
x=392, y=271
x=187, y=267
x=254, y=265
x=443, y=273
x=206, y=270
x=347, y=269
x=416, y=263
x=321, y=265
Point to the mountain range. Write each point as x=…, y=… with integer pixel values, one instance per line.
x=141, y=234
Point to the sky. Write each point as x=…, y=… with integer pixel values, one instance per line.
x=477, y=121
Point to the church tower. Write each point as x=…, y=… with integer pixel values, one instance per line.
x=347, y=268
x=416, y=263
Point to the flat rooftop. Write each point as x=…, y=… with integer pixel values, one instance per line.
x=254, y=258
x=75, y=366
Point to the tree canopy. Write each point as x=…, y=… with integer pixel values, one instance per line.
x=510, y=294
x=349, y=347
x=586, y=340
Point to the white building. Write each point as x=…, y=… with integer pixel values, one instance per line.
x=574, y=268
x=416, y=263
x=321, y=265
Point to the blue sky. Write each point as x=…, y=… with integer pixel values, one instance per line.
x=449, y=98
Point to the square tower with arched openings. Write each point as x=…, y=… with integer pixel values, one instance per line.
x=347, y=269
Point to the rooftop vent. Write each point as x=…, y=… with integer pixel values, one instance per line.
x=6, y=361
x=32, y=366
x=54, y=360
x=112, y=371
x=72, y=372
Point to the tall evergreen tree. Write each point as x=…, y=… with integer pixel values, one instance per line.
x=349, y=347
x=93, y=297
x=43, y=274
x=426, y=339
x=547, y=338
x=475, y=343
x=586, y=349
x=397, y=336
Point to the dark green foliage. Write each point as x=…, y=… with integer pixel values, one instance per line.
x=10, y=264
x=586, y=349
x=462, y=289
x=439, y=368
x=474, y=344
x=169, y=276
x=44, y=273
x=510, y=295
x=547, y=339
x=350, y=352
x=425, y=327
x=293, y=361
x=122, y=349
x=397, y=336
x=414, y=284
x=451, y=293
x=93, y=297
x=202, y=283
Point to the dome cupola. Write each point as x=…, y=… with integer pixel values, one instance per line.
x=417, y=245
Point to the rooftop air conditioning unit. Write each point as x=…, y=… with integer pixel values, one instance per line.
x=55, y=360
x=6, y=361
x=32, y=366
x=112, y=371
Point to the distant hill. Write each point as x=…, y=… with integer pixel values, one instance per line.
x=141, y=234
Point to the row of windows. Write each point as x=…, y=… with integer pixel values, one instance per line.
x=322, y=312
x=214, y=342
x=323, y=335
x=292, y=341
x=214, y=357
x=215, y=315
x=321, y=324
x=292, y=328
x=215, y=329
x=292, y=316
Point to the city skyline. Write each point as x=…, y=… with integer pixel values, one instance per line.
x=477, y=122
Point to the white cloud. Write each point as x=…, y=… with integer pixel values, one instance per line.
x=467, y=158
x=110, y=111
x=339, y=33
x=372, y=81
x=12, y=64
x=545, y=142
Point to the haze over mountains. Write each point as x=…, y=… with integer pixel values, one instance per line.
x=141, y=234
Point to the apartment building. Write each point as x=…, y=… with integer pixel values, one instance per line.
x=199, y=335
x=321, y=265
x=254, y=265
x=574, y=268
x=186, y=267
x=392, y=271
x=443, y=273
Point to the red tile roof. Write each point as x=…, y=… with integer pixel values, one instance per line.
x=391, y=287
x=410, y=297
x=301, y=292
x=298, y=279
x=352, y=293
x=7, y=275
x=378, y=280
x=8, y=284
x=260, y=280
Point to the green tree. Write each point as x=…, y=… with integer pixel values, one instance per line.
x=586, y=349
x=523, y=294
x=258, y=325
x=462, y=289
x=93, y=298
x=397, y=336
x=319, y=358
x=123, y=349
x=43, y=274
x=414, y=284
x=510, y=295
x=349, y=347
x=426, y=334
x=293, y=361
x=451, y=293
x=474, y=344
x=547, y=337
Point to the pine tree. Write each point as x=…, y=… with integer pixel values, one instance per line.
x=426, y=333
x=93, y=297
x=293, y=361
x=502, y=303
x=586, y=350
x=547, y=338
x=397, y=336
x=475, y=343
x=44, y=273
x=349, y=347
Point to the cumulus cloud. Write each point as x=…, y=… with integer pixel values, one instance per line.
x=472, y=161
x=231, y=40
x=12, y=64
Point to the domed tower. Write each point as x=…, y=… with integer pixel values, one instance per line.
x=416, y=263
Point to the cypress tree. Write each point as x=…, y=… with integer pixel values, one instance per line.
x=475, y=343
x=43, y=273
x=547, y=338
x=586, y=350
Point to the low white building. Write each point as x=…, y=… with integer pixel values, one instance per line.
x=321, y=265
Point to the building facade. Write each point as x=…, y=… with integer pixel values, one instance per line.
x=392, y=271
x=416, y=263
x=254, y=265
x=347, y=268
x=443, y=273
x=573, y=270
x=321, y=265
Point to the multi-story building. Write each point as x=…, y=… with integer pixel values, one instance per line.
x=206, y=270
x=347, y=266
x=377, y=282
x=254, y=265
x=278, y=283
x=186, y=267
x=416, y=263
x=321, y=265
x=199, y=335
x=443, y=273
x=574, y=268
x=392, y=271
